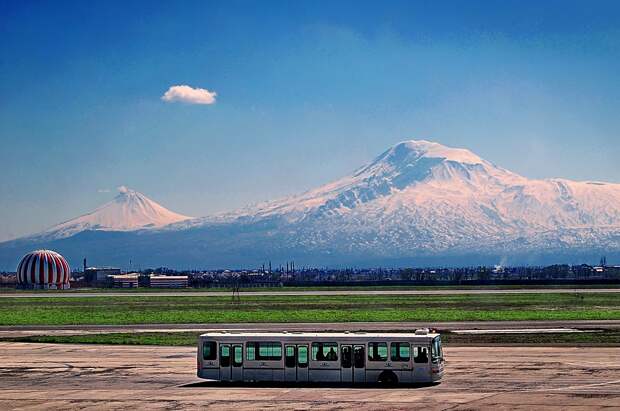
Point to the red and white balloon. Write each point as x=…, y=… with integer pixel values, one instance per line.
x=43, y=269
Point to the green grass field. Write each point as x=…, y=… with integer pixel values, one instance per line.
x=220, y=309
x=13, y=290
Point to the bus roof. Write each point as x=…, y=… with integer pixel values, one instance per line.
x=330, y=335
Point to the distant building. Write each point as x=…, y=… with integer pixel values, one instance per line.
x=94, y=276
x=8, y=280
x=168, y=281
x=123, y=280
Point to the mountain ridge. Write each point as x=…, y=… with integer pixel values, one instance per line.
x=416, y=200
x=437, y=169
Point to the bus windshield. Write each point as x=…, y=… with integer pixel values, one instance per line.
x=436, y=351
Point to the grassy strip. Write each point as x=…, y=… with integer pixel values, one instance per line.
x=42, y=316
x=606, y=338
x=570, y=300
x=215, y=309
x=168, y=339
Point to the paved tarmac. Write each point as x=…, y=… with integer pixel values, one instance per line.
x=30, y=330
x=52, y=377
x=451, y=291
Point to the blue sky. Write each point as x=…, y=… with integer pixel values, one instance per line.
x=307, y=91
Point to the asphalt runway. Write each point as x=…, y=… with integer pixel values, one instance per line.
x=31, y=330
x=69, y=294
x=51, y=377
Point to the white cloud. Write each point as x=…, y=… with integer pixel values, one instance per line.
x=187, y=94
x=122, y=189
x=103, y=190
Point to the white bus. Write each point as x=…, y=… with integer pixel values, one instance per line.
x=347, y=357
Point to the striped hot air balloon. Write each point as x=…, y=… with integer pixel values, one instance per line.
x=43, y=269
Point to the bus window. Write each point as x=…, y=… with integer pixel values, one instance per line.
x=209, y=350
x=224, y=355
x=420, y=355
x=270, y=351
x=237, y=356
x=358, y=356
x=302, y=356
x=263, y=351
x=289, y=356
x=250, y=351
x=377, y=351
x=400, y=351
x=436, y=351
x=346, y=359
x=324, y=351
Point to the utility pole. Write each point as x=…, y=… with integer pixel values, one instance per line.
x=236, y=298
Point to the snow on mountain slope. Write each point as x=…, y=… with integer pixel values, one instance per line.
x=417, y=175
x=421, y=196
x=129, y=210
x=416, y=200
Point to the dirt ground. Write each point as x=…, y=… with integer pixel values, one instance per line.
x=48, y=376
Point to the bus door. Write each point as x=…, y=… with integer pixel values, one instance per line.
x=346, y=363
x=225, y=363
x=359, y=364
x=295, y=362
x=421, y=363
x=302, y=363
x=237, y=362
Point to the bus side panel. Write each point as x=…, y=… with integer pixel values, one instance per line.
x=404, y=376
x=259, y=370
x=324, y=375
x=422, y=372
x=209, y=373
x=258, y=374
x=324, y=371
x=278, y=375
x=405, y=373
x=372, y=375
x=375, y=368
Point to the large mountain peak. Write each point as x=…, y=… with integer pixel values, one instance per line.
x=406, y=174
x=412, y=150
x=129, y=210
x=418, y=159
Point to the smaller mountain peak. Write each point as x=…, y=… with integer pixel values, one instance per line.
x=129, y=210
x=127, y=195
x=124, y=190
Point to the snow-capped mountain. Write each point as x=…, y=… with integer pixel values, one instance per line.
x=418, y=202
x=129, y=210
x=423, y=197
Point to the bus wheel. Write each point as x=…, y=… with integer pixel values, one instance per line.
x=388, y=378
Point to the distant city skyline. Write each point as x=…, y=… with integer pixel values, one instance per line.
x=214, y=105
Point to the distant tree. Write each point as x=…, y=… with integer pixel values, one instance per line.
x=484, y=273
x=407, y=274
